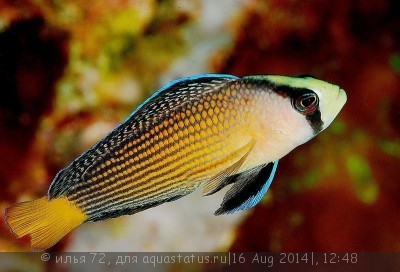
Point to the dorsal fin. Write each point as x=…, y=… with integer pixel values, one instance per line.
x=248, y=189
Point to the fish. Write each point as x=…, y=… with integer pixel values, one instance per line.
x=210, y=130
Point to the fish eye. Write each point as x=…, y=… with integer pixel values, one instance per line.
x=306, y=103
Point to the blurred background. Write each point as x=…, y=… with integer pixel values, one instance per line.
x=71, y=70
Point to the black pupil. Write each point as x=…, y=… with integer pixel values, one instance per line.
x=307, y=101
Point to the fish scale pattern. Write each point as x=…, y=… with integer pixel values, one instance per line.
x=164, y=150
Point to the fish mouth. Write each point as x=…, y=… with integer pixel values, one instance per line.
x=333, y=106
x=342, y=96
x=341, y=100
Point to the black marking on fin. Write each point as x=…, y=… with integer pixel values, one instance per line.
x=248, y=189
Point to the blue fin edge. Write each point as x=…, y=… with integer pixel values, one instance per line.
x=251, y=202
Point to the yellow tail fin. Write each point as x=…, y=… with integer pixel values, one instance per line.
x=45, y=221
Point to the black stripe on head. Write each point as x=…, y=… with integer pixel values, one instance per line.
x=306, y=76
x=313, y=117
x=315, y=121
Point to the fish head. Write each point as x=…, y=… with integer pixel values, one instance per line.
x=316, y=100
x=295, y=110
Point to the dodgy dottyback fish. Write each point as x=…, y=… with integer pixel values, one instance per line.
x=210, y=129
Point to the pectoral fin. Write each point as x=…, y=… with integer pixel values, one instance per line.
x=223, y=178
x=248, y=189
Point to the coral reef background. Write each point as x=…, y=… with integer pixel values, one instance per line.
x=71, y=70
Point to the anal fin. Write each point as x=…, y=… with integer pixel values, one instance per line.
x=248, y=189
